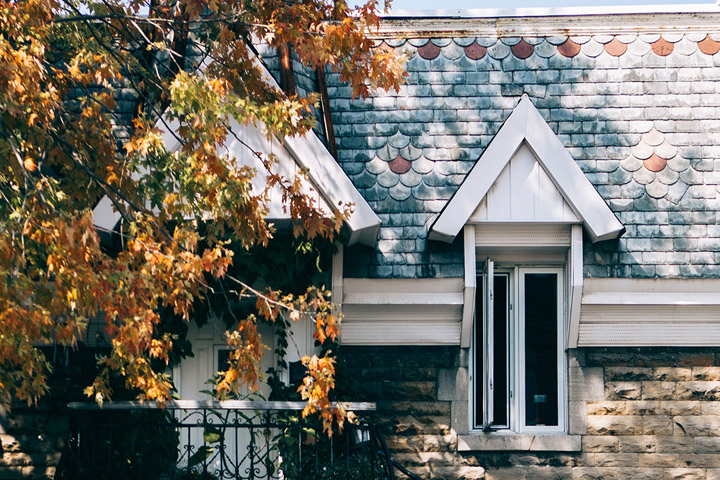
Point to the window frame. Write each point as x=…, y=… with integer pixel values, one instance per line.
x=516, y=349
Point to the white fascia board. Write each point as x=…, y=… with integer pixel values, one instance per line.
x=600, y=222
x=337, y=274
x=526, y=124
x=575, y=286
x=482, y=176
x=105, y=217
x=470, y=286
x=309, y=152
x=644, y=286
x=555, y=11
x=335, y=186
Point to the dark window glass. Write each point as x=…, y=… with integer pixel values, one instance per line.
x=223, y=359
x=500, y=357
x=500, y=317
x=541, y=367
x=479, y=351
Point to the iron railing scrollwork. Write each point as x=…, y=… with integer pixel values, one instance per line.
x=241, y=440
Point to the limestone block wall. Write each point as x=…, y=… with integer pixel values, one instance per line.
x=639, y=413
x=32, y=441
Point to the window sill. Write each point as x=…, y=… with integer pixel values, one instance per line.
x=522, y=443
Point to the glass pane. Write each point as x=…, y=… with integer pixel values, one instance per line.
x=500, y=317
x=541, y=362
x=500, y=376
x=479, y=351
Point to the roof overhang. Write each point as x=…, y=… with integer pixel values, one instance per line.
x=525, y=124
x=538, y=22
x=304, y=152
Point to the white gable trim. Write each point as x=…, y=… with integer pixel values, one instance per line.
x=307, y=151
x=524, y=193
x=525, y=124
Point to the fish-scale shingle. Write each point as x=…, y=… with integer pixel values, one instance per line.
x=642, y=129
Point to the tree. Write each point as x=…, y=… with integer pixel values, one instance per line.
x=182, y=214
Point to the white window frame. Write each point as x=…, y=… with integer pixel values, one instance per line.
x=516, y=348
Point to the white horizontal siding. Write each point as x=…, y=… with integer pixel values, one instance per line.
x=524, y=193
x=402, y=311
x=649, y=334
x=400, y=333
x=650, y=312
x=524, y=235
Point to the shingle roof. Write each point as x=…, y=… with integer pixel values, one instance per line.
x=639, y=113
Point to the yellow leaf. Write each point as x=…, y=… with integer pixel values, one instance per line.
x=30, y=164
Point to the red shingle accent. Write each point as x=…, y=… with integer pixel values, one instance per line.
x=429, y=51
x=475, y=51
x=662, y=47
x=522, y=49
x=709, y=46
x=655, y=163
x=615, y=47
x=399, y=165
x=568, y=48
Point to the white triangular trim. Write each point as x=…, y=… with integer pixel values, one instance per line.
x=525, y=124
x=307, y=151
x=524, y=193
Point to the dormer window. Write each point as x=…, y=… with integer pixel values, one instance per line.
x=523, y=209
x=518, y=349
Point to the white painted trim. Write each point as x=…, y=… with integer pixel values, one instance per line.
x=400, y=333
x=337, y=274
x=325, y=174
x=575, y=270
x=545, y=22
x=402, y=291
x=526, y=124
x=650, y=312
x=334, y=184
x=562, y=379
x=469, y=287
x=395, y=298
x=425, y=311
x=644, y=286
x=399, y=314
x=555, y=11
x=650, y=335
x=655, y=298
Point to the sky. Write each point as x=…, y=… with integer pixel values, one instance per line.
x=472, y=4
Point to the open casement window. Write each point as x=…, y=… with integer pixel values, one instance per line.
x=519, y=359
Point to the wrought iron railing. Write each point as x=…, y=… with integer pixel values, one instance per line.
x=218, y=440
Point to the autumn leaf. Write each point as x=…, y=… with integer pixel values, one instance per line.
x=91, y=103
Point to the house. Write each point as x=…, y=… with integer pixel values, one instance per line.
x=542, y=298
x=530, y=284
x=530, y=276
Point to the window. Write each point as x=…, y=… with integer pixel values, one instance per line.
x=518, y=344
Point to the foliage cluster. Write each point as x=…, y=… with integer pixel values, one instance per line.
x=187, y=213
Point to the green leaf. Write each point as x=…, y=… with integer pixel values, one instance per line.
x=212, y=435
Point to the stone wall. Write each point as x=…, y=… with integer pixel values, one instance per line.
x=32, y=440
x=640, y=413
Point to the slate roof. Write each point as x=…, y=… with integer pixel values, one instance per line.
x=640, y=113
